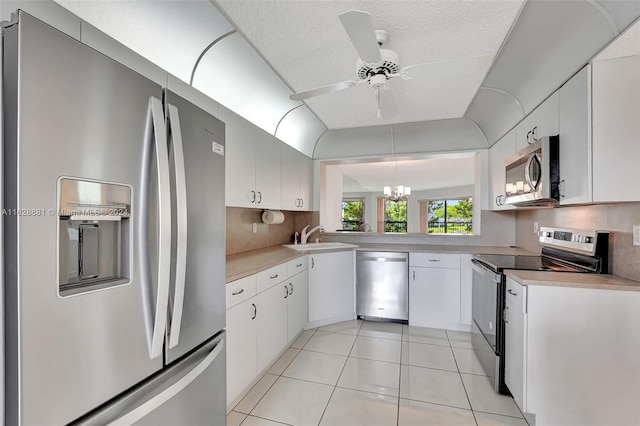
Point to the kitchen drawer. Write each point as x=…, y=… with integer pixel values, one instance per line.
x=270, y=277
x=297, y=265
x=240, y=290
x=516, y=294
x=434, y=260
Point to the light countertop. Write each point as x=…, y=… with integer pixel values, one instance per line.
x=564, y=279
x=248, y=263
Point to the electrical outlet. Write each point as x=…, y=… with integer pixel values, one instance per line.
x=636, y=235
x=536, y=227
x=255, y=228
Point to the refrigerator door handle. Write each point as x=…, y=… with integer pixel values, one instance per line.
x=139, y=412
x=181, y=220
x=164, y=234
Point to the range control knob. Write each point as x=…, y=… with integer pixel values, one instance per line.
x=587, y=240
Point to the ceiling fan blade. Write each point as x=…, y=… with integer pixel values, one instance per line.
x=387, y=104
x=360, y=30
x=322, y=90
x=452, y=66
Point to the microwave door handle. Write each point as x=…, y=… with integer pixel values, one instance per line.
x=164, y=227
x=527, y=173
x=181, y=220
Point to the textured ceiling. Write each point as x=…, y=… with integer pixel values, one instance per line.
x=307, y=46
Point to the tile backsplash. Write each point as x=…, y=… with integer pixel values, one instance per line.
x=240, y=236
x=618, y=219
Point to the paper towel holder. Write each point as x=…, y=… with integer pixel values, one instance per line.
x=272, y=217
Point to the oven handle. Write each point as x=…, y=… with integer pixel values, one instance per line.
x=483, y=269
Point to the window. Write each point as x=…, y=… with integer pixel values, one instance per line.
x=451, y=216
x=352, y=213
x=395, y=216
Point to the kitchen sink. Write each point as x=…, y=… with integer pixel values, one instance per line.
x=319, y=246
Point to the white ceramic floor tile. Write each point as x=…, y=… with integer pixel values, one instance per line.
x=383, y=330
x=429, y=356
x=486, y=419
x=257, y=421
x=283, y=362
x=331, y=343
x=350, y=407
x=377, y=349
x=316, y=367
x=345, y=327
x=302, y=339
x=459, y=339
x=295, y=402
x=431, y=336
x=235, y=419
x=484, y=398
x=250, y=400
x=468, y=361
x=417, y=413
x=370, y=376
x=436, y=386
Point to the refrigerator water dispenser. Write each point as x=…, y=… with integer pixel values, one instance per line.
x=93, y=235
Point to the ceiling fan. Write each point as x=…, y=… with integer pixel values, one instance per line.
x=375, y=66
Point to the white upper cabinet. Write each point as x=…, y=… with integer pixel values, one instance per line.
x=575, y=139
x=253, y=164
x=497, y=154
x=542, y=121
x=268, y=171
x=297, y=176
x=616, y=129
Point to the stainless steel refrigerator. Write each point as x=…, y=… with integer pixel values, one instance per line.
x=114, y=240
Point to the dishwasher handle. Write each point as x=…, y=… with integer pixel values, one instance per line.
x=382, y=259
x=484, y=270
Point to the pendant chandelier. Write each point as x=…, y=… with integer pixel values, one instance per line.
x=399, y=192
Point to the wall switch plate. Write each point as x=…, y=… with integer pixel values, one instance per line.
x=536, y=227
x=636, y=235
x=255, y=228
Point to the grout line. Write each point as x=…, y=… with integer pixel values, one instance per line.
x=439, y=404
x=264, y=418
x=502, y=415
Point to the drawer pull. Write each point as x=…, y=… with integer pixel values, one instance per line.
x=434, y=260
x=286, y=291
x=255, y=311
x=511, y=292
x=299, y=265
x=235, y=293
x=273, y=277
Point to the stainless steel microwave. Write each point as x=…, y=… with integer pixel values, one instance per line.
x=533, y=175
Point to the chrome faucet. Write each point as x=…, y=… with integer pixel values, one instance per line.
x=305, y=235
x=295, y=237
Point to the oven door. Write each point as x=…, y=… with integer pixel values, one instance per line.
x=486, y=286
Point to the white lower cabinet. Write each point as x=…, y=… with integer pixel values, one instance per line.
x=271, y=323
x=241, y=347
x=434, y=290
x=331, y=287
x=297, y=305
x=259, y=326
x=515, y=340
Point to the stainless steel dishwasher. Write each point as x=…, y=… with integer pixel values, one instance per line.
x=382, y=284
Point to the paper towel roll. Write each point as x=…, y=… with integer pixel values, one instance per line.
x=272, y=217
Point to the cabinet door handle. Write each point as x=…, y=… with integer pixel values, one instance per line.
x=291, y=289
x=253, y=199
x=313, y=263
x=286, y=291
x=235, y=293
x=273, y=277
x=414, y=275
x=511, y=292
x=534, y=134
x=299, y=265
x=505, y=315
x=561, y=189
x=301, y=202
x=255, y=311
x=529, y=137
x=259, y=197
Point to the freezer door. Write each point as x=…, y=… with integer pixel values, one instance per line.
x=197, y=297
x=71, y=112
x=190, y=393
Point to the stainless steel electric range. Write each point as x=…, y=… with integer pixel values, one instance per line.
x=563, y=250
